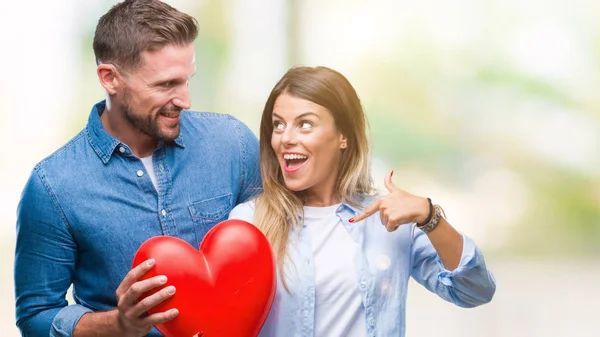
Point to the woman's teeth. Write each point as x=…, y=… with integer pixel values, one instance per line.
x=294, y=156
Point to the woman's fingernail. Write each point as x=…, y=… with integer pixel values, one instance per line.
x=351, y=220
x=391, y=174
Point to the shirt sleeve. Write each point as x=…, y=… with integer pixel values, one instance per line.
x=251, y=179
x=469, y=285
x=45, y=258
x=65, y=321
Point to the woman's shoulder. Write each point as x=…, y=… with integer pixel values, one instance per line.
x=364, y=201
x=244, y=211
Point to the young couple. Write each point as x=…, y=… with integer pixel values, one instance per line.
x=146, y=166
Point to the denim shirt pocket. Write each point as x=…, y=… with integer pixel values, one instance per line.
x=209, y=212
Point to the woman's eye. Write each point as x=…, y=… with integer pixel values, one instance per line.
x=278, y=125
x=305, y=125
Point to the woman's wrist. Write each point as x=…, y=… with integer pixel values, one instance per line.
x=425, y=212
x=433, y=221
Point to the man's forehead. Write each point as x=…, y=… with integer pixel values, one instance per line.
x=159, y=63
x=169, y=54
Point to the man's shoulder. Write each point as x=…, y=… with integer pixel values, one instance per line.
x=204, y=117
x=213, y=126
x=58, y=165
x=70, y=150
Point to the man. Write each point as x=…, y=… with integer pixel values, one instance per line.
x=142, y=167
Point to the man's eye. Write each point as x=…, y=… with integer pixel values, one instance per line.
x=168, y=84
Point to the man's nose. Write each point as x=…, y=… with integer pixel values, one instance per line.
x=182, y=98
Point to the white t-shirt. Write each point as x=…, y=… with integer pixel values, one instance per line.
x=149, y=165
x=339, y=310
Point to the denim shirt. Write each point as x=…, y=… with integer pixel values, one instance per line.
x=384, y=262
x=87, y=208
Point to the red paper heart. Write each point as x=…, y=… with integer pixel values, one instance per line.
x=225, y=288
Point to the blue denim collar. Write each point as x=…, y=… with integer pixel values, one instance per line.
x=101, y=141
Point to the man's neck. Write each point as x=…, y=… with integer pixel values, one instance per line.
x=141, y=144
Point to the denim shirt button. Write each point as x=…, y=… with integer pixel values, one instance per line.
x=121, y=149
x=140, y=173
x=163, y=212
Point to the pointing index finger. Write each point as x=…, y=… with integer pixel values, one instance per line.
x=367, y=212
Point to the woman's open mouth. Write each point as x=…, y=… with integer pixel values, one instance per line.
x=294, y=161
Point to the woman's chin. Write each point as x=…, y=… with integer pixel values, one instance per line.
x=294, y=187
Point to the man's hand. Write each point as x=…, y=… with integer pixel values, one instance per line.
x=397, y=208
x=132, y=317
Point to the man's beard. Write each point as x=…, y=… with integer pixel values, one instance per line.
x=148, y=125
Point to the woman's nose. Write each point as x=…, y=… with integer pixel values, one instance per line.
x=288, y=137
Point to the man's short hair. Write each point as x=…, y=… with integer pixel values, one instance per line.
x=134, y=26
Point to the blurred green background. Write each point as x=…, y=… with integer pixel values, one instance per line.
x=489, y=107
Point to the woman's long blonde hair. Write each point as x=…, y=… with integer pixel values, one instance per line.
x=278, y=209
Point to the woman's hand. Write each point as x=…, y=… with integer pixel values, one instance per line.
x=396, y=208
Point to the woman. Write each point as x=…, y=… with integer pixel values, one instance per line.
x=345, y=255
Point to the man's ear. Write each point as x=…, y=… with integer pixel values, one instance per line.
x=109, y=77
